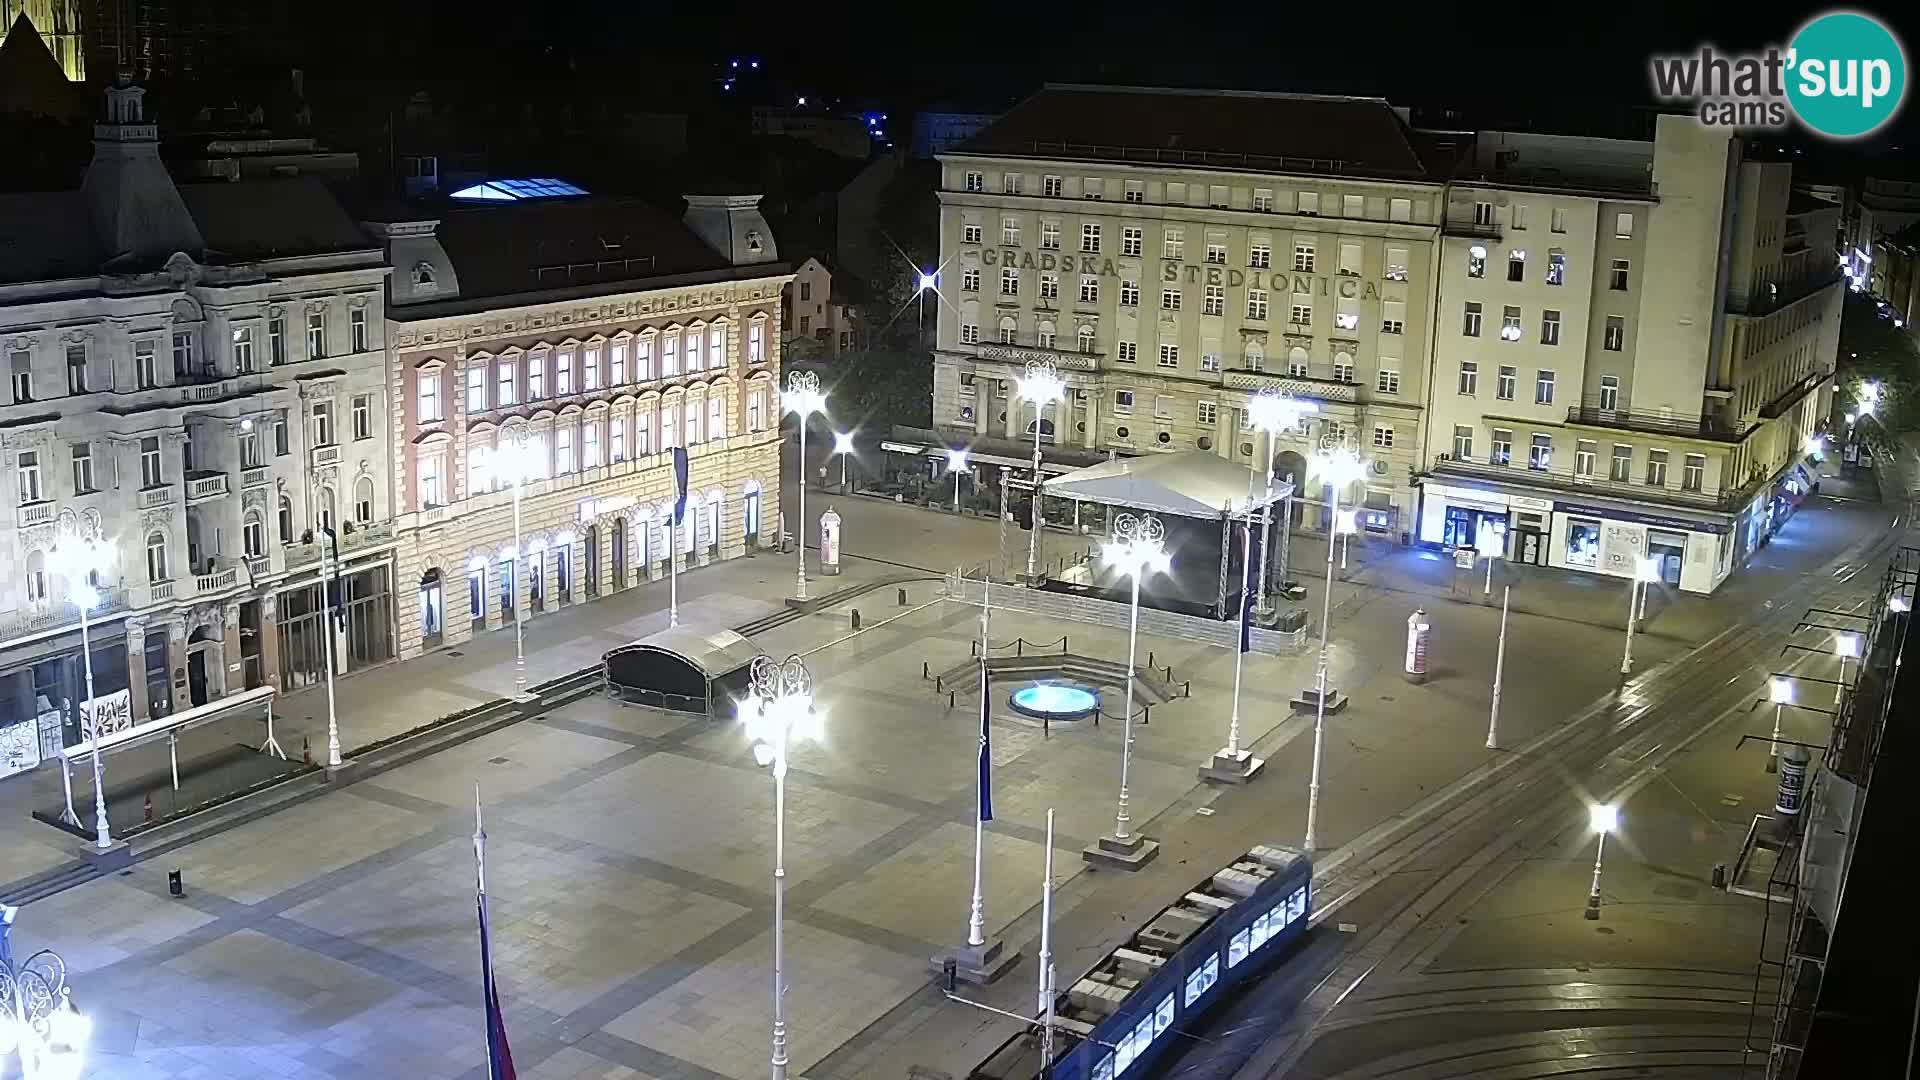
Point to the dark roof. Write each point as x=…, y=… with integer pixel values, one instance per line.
x=1800, y=202
x=47, y=235
x=264, y=219
x=1211, y=129
x=525, y=247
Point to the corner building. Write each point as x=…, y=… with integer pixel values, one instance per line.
x=613, y=332
x=1174, y=252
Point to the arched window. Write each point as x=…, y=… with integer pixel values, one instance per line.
x=253, y=534
x=1044, y=336
x=37, y=577
x=1297, y=361
x=1086, y=341
x=1009, y=329
x=422, y=274
x=286, y=520
x=157, y=557
x=363, y=500
x=1256, y=356
x=323, y=517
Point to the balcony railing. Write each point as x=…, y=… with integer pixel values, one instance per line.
x=155, y=496
x=36, y=514
x=1565, y=479
x=1020, y=354
x=1481, y=230
x=1592, y=414
x=160, y=590
x=50, y=616
x=326, y=455
x=1304, y=386
x=259, y=476
x=206, y=486
x=216, y=581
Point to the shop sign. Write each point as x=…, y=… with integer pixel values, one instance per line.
x=1611, y=514
x=1522, y=502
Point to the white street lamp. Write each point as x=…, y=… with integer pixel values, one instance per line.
x=1339, y=464
x=80, y=560
x=1138, y=548
x=1272, y=411
x=1780, y=692
x=1645, y=572
x=803, y=399
x=1043, y=386
x=956, y=464
x=37, y=1015
x=1231, y=763
x=1604, y=818
x=843, y=448
x=514, y=461
x=1899, y=604
x=1499, y=670
x=779, y=713
x=1345, y=524
x=1846, y=647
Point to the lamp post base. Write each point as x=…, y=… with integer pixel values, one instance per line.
x=1132, y=853
x=1308, y=700
x=1225, y=768
x=1593, y=907
x=978, y=964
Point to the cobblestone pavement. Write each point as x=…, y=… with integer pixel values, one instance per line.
x=630, y=852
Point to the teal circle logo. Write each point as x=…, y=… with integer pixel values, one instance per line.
x=1846, y=74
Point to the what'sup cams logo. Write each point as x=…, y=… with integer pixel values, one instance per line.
x=1844, y=75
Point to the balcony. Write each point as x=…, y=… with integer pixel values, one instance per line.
x=39, y=617
x=258, y=476
x=1020, y=354
x=160, y=590
x=1478, y=230
x=218, y=581
x=205, y=486
x=1564, y=480
x=160, y=495
x=1301, y=386
x=326, y=455
x=1712, y=428
x=39, y=513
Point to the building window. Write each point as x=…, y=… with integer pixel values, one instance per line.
x=1583, y=539
x=276, y=341
x=1260, y=256
x=1300, y=314
x=1217, y=252
x=1469, y=378
x=1462, y=442
x=1583, y=458
x=1123, y=401
x=22, y=369
x=1136, y=192
x=1308, y=203
x=1353, y=206
x=1346, y=315
x=1090, y=238
x=285, y=520
x=1622, y=464
x=323, y=423
x=590, y=445
x=1256, y=303
x=1510, y=323
x=969, y=333
x=357, y=330
x=1052, y=186
x=1129, y=294
x=1476, y=261
x=1173, y=245
x=1399, y=209
x=1540, y=454
x=1618, y=275
x=1210, y=361
x=1298, y=365
x=1470, y=323
x=970, y=279
x=590, y=366
x=1517, y=215
x=430, y=489
x=617, y=433
x=1132, y=241
x=1009, y=233
x=146, y=372
x=1502, y=451
x=151, y=474
x=1393, y=317
x=1170, y=299
x=249, y=450
x=476, y=389
x=1516, y=265
x=1504, y=383
x=1383, y=436
x=1084, y=341
x=363, y=416
x=1387, y=382
x=505, y=390
x=756, y=342
x=27, y=468
x=716, y=416
x=428, y=383
x=82, y=454
x=1656, y=468
x=976, y=181
x=1217, y=196
x=157, y=557
x=1215, y=301
x=1693, y=475
x=1043, y=336
x=1007, y=333
x=1049, y=286
x=1615, y=338
x=1127, y=352
x=281, y=446
x=1556, y=267
x=1009, y=281
x=1559, y=220
x=1303, y=258
x=1543, y=387
x=1396, y=264
x=1262, y=201
x=563, y=364
x=1483, y=213
x=1349, y=260
x=1049, y=236
x=643, y=360
x=363, y=500
x=316, y=335
x=1549, y=327
x=76, y=369
x=1342, y=367
x=253, y=535
x=970, y=233
x=1169, y=355
x=1163, y=406
x=1206, y=414
x=617, y=364
x=1623, y=226
x=183, y=354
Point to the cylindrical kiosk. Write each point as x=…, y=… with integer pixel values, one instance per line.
x=830, y=542
x=1793, y=782
x=1419, y=632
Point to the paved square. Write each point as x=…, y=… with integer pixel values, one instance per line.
x=266, y=857
x=506, y=763
x=916, y=892
x=103, y=923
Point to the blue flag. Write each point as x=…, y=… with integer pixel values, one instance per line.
x=499, y=1055
x=679, y=484
x=986, y=747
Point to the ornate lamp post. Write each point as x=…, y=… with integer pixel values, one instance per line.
x=80, y=558
x=1604, y=818
x=843, y=449
x=1043, y=386
x=803, y=399
x=1272, y=411
x=37, y=1015
x=779, y=712
x=956, y=465
x=1339, y=464
x=514, y=461
x=1138, y=548
x=1645, y=572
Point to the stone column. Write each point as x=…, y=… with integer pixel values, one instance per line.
x=223, y=682
x=270, y=642
x=1090, y=438
x=177, y=663
x=983, y=404
x=137, y=669
x=1013, y=415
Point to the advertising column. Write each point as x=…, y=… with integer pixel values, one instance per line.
x=830, y=542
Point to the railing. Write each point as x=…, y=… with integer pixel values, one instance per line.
x=365, y=536
x=1297, y=385
x=49, y=616
x=155, y=496
x=260, y=566
x=36, y=514
x=216, y=581
x=1173, y=156
x=259, y=476
x=206, y=487
x=160, y=590
x=1568, y=480
x=1108, y=613
x=1692, y=427
x=1020, y=354
x=1483, y=230
x=326, y=455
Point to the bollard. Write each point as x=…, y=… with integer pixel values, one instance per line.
x=174, y=887
x=1719, y=875
x=926, y=670
x=903, y=598
x=1146, y=715
x=1019, y=646
x=853, y=617
x=950, y=694
x=949, y=974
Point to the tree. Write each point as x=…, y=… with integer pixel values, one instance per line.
x=1873, y=350
x=888, y=378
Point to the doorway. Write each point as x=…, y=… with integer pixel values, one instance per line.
x=1291, y=468
x=1670, y=551
x=432, y=610
x=203, y=666
x=619, y=553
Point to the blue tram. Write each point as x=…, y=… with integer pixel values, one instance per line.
x=1117, y=1018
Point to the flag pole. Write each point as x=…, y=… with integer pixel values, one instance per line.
x=673, y=570
x=479, y=843
x=1046, y=957
x=976, y=916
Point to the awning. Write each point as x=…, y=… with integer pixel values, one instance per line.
x=1191, y=483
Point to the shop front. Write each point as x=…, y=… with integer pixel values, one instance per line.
x=1692, y=555
x=1484, y=520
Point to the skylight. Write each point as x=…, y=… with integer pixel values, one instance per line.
x=515, y=190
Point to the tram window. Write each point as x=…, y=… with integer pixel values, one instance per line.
x=1261, y=929
x=1277, y=917
x=1163, y=1016
x=1296, y=904
x=1143, y=1036
x=1238, y=946
x=1202, y=979
x=1104, y=1070
x=1123, y=1054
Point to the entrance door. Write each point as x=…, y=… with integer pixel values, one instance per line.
x=592, y=580
x=1670, y=549
x=1532, y=547
x=432, y=610
x=619, y=553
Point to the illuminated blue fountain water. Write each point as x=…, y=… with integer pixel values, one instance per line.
x=1055, y=701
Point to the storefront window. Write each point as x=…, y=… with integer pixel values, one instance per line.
x=1583, y=543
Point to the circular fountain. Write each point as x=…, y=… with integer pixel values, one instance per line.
x=1055, y=701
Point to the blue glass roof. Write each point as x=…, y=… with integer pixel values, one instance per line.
x=545, y=187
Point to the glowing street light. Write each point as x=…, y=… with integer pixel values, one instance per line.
x=1645, y=573
x=803, y=398
x=1899, y=605
x=515, y=460
x=1339, y=464
x=37, y=1015
x=927, y=281
x=1846, y=647
x=957, y=465
x=1272, y=411
x=779, y=713
x=1138, y=548
x=1780, y=692
x=1604, y=818
x=1043, y=386
x=843, y=449
x=80, y=560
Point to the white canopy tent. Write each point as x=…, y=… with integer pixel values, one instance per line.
x=1191, y=483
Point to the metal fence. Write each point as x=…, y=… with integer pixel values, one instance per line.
x=1114, y=616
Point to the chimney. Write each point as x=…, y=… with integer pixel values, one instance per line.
x=733, y=226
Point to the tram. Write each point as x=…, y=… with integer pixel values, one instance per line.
x=1115, y=1020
